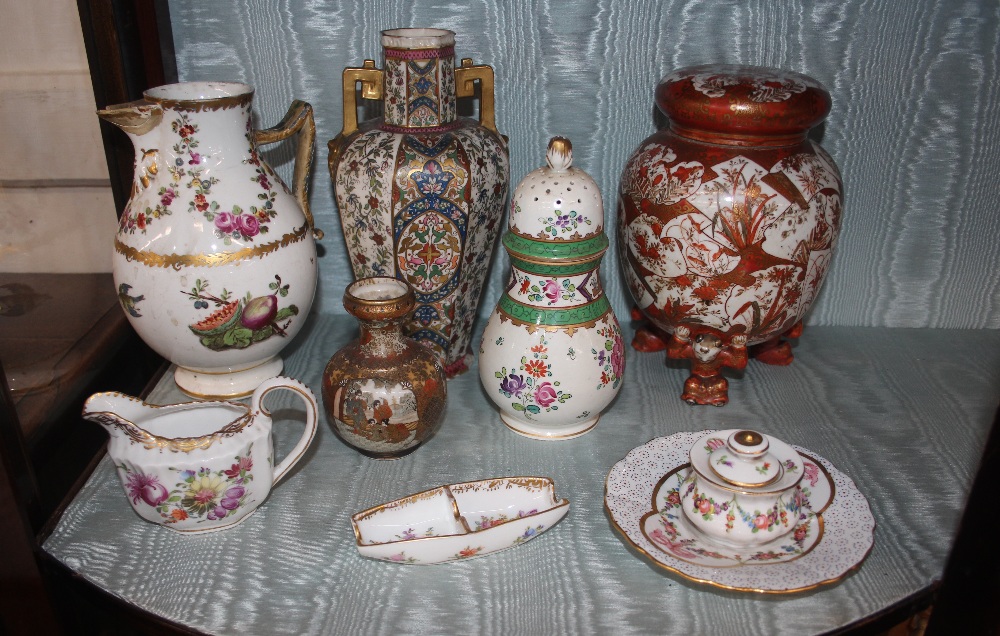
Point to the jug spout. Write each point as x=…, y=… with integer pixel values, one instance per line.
x=115, y=412
x=135, y=118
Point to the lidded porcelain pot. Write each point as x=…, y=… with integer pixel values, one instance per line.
x=552, y=356
x=743, y=489
x=728, y=219
x=215, y=257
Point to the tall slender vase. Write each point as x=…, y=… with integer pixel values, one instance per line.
x=420, y=190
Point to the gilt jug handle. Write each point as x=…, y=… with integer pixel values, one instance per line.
x=256, y=405
x=466, y=77
x=298, y=119
x=371, y=88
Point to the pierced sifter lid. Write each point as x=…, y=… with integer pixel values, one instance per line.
x=746, y=460
x=557, y=202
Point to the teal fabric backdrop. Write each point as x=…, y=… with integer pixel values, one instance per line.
x=915, y=88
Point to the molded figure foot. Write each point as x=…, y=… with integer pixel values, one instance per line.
x=707, y=354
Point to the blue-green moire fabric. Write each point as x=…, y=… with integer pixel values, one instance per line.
x=915, y=101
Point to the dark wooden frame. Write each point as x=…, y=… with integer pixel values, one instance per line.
x=130, y=48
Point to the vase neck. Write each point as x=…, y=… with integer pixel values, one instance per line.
x=195, y=136
x=382, y=338
x=419, y=89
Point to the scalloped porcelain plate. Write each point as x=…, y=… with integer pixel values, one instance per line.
x=459, y=521
x=834, y=538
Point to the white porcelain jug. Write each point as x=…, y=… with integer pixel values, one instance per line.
x=215, y=258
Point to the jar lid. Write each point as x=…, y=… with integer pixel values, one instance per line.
x=726, y=99
x=747, y=461
x=557, y=203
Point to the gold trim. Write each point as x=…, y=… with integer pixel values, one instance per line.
x=299, y=119
x=379, y=309
x=203, y=372
x=371, y=88
x=715, y=584
x=550, y=437
x=532, y=327
x=177, y=261
x=175, y=444
x=777, y=477
x=137, y=117
x=446, y=489
x=201, y=105
x=749, y=492
x=214, y=396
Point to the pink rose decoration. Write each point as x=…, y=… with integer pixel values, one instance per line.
x=811, y=473
x=225, y=221
x=618, y=357
x=248, y=225
x=760, y=521
x=551, y=290
x=545, y=394
x=168, y=197
x=705, y=506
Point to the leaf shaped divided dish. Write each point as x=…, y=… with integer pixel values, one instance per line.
x=459, y=521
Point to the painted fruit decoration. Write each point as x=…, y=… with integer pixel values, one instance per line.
x=240, y=323
x=728, y=219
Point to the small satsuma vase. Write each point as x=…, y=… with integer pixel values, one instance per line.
x=384, y=393
x=420, y=190
x=728, y=219
x=552, y=356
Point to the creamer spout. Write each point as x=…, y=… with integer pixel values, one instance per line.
x=114, y=411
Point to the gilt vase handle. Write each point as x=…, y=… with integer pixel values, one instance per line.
x=371, y=88
x=466, y=77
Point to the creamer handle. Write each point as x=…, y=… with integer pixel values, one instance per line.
x=371, y=88
x=298, y=119
x=308, y=434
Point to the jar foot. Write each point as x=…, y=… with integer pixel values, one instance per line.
x=223, y=384
x=535, y=431
x=777, y=351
